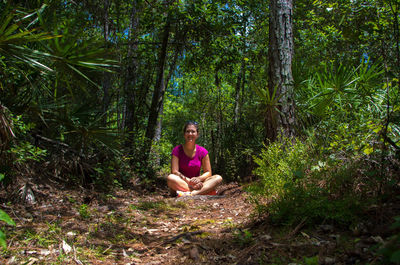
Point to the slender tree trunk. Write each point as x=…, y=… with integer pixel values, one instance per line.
x=158, y=94
x=240, y=80
x=396, y=33
x=172, y=67
x=219, y=158
x=281, y=51
x=241, y=76
x=158, y=131
x=131, y=71
x=106, y=82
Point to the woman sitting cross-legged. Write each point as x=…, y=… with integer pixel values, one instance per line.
x=187, y=161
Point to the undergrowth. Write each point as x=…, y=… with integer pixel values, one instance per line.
x=299, y=183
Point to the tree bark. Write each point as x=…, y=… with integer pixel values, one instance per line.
x=239, y=82
x=242, y=73
x=131, y=71
x=106, y=82
x=158, y=132
x=281, y=50
x=158, y=94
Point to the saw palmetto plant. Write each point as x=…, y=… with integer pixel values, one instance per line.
x=6, y=130
x=16, y=31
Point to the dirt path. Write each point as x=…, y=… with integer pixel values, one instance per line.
x=134, y=226
x=198, y=229
x=128, y=227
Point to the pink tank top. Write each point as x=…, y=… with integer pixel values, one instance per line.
x=190, y=167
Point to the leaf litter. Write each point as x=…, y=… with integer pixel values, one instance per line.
x=133, y=226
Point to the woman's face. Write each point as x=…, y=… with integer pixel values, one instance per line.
x=191, y=133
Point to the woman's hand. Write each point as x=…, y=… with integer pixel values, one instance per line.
x=198, y=186
x=196, y=183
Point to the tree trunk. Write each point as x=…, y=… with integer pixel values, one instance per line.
x=157, y=136
x=240, y=80
x=158, y=94
x=131, y=71
x=242, y=74
x=281, y=51
x=396, y=33
x=158, y=132
x=106, y=82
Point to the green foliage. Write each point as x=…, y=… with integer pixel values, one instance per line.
x=77, y=58
x=15, y=34
x=311, y=260
x=279, y=164
x=4, y=218
x=299, y=187
x=84, y=211
x=159, y=206
x=25, y=152
x=390, y=251
x=269, y=98
x=244, y=238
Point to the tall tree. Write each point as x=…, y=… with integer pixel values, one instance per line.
x=131, y=69
x=106, y=82
x=280, y=84
x=159, y=90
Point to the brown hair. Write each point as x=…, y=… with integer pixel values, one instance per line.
x=195, y=124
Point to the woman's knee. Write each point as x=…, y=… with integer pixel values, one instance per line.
x=172, y=178
x=218, y=178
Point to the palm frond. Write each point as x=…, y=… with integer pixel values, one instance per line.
x=14, y=39
x=6, y=130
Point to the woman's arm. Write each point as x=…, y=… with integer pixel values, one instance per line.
x=206, y=168
x=197, y=182
x=175, y=169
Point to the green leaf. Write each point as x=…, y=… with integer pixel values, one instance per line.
x=3, y=242
x=396, y=224
x=311, y=260
x=4, y=217
x=368, y=150
x=395, y=258
x=6, y=22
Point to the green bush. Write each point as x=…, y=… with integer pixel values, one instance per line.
x=298, y=184
x=390, y=251
x=279, y=164
x=21, y=149
x=5, y=218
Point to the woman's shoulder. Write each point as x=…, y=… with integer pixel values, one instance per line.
x=202, y=150
x=176, y=150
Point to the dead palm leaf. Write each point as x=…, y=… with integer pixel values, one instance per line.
x=6, y=131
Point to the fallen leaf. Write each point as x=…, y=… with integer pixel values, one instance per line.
x=32, y=261
x=67, y=248
x=194, y=253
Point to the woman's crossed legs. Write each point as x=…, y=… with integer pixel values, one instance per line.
x=175, y=183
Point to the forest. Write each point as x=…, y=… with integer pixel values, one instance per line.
x=298, y=104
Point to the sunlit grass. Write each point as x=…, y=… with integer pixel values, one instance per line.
x=158, y=206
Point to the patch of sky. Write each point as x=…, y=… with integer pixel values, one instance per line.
x=366, y=59
x=174, y=84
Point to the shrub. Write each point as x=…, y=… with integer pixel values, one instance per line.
x=301, y=185
x=279, y=164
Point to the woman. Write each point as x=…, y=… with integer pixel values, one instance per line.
x=186, y=163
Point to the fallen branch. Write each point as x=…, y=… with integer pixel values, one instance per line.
x=297, y=228
x=51, y=141
x=186, y=234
